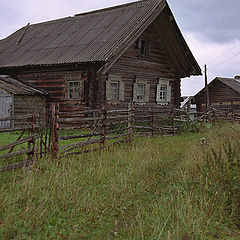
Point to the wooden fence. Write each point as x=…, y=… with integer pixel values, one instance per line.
x=27, y=139
x=89, y=130
x=62, y=134
x=25, y=144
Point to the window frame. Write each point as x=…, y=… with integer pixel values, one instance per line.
x=146, y=90
x=80, y=87
x=166, y=83
x=144, y=47
x=113, y=78
x=75, y=90
x=113, y=93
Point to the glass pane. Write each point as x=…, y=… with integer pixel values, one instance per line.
x=163, y=92
x=140, y=91
x=114, y=91
x=73, y=90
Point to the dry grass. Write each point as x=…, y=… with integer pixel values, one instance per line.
x=151, y=189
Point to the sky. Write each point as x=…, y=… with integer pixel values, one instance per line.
x=211, y=28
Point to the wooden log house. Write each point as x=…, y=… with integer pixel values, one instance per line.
x=132, y=52
x=224, y=93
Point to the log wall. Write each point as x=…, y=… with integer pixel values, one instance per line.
x=132, y=65
x=220, y=96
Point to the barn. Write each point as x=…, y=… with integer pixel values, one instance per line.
x=129, y=53
x=17, y=98
x=224, y=93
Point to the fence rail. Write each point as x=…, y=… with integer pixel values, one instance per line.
x=62, y=133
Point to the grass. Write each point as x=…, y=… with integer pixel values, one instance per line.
x=153, y=188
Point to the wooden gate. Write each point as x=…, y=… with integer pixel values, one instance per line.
x=5, y=108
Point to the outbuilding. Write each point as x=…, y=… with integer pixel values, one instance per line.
x=17, y=98
x=224, y=93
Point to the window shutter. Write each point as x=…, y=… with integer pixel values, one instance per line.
x=169, y=89
x=121, y=91
x=81, y=89
x=158, y=93
x=135, y=92
x=108, y=88
x=147, y=92
x=149, y=46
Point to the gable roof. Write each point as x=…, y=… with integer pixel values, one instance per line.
x=13, y=86
x=97, y=36
x=233, y=83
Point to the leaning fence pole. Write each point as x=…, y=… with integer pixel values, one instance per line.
x=33, y=121
x=55, y=130
x=104, y=126
x=130, y=120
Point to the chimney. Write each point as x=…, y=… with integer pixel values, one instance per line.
x=237, y=77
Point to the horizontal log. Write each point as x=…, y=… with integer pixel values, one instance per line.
x=142, y=127
x=8, y=155
x=15, y=166
x=81, y=152
x=117, y=110
x=16, y=143
x=120, y=141
x=80, y=136
x=120, y=116
x=64, y=120
x=81, y=144
x=180, y=120
x=80, y=112
x=20, y=117
x=4, y=130
x=92, y=141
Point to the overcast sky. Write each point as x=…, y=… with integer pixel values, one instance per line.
x=210, y=27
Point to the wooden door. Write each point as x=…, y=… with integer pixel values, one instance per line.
x=5, y=108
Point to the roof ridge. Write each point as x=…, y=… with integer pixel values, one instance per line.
x=116, y=7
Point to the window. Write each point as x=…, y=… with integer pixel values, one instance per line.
x=73, y=90
x=143, y=47
x=74, y=87
x=141, y=90
x=163, y=95
x=114, y=91
x=115, y=88
x=163, y=92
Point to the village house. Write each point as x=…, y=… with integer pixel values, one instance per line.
x=133, y=52
x=224, y=93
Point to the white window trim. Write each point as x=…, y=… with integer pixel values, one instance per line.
x=121, y=87
x=144, y=82
x=166, y=82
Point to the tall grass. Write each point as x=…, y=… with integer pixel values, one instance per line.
x=153, y=188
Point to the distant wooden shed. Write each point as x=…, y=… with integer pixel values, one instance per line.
x=224, y=93
x=17, y=98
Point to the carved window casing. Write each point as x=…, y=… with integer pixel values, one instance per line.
x=115, y=88
x=141, y=91
x=74, y=87
x=163, y=95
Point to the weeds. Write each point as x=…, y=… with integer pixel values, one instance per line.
x=154, y=188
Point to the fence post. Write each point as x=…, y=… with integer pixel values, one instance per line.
x=130, y=119
x=173, y=122
x=33, y=121
x=104, y=125
x=152, y=122
x=55, y=130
